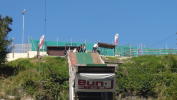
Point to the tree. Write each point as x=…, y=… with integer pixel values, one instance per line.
x=4, y=41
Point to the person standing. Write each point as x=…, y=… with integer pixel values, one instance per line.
x=84, y=48
x=75, y=50
x=95, y=47
x=81, y=48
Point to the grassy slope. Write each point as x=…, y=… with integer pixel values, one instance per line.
x=45, y=78
x=154, y=76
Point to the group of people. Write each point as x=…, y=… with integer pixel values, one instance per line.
x=82, y=48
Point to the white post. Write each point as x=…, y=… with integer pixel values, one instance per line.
x=23, y=28
x=142, y=49
x=130, y=50
x=71, y=41
x=13, y=47
x=57, y=41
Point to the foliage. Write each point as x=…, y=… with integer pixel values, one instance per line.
x=154, y=76
x=43, y=79
x=4, y=42
x=47, y=78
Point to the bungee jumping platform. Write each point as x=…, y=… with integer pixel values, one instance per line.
x=89, y=77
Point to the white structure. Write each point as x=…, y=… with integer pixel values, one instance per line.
x=93, y=81
x=29, y=54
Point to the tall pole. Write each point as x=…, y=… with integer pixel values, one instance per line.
x=130, y=50
x=23, y=28
x=176, y=39
x=57, y=41
x=13, y=46
x=45, y=17
x=176, y=43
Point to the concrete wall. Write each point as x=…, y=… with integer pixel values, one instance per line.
x=29, y=54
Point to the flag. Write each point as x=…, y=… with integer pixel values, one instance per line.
x=41, y=42
x=116, y=39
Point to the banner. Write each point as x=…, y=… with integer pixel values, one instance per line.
x=91, y=82
x=41, y=42
x=116, y=39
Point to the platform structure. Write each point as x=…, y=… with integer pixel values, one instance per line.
x=90, y=78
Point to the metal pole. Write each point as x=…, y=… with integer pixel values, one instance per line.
x=13, y=47
x=176, y=43
x=57, y=42
x=130, y=50
x=23, y=28
x=176, y=39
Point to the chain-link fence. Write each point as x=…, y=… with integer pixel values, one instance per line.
x=120, y=50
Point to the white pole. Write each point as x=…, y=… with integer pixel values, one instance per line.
x=141, y=48
x=130, y=49
x=57, y=42
x=85, y=42
x=13, y=47
x=23, y=28
x=71, y=41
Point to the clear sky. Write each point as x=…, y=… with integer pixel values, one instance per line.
x=150, y=22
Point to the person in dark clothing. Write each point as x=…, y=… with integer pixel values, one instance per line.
x=81, y=48
x=65, y=52
x=78, y=49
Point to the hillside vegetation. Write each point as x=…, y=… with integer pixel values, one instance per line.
x=149, y=76
x=47, y=78
x=42, y=79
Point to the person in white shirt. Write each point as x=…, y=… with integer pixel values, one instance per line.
x=75, y=50
x=95, y=46
x=84, y=48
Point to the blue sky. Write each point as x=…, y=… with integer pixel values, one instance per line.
x=150, y=22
